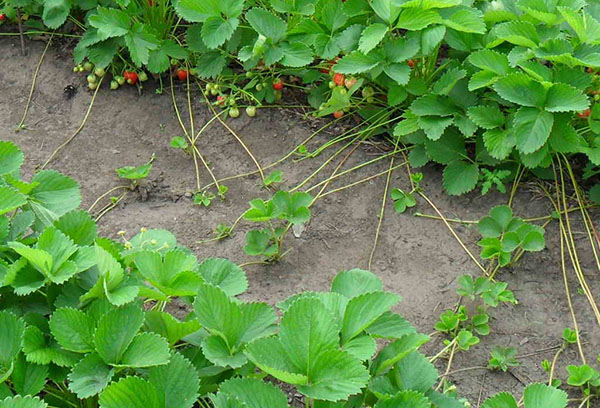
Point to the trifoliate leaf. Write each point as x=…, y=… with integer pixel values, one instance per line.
x=216, y=350
x=140, y=41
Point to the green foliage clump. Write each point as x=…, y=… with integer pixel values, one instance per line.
x=482, y=88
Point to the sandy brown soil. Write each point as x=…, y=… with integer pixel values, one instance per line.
x=416, y=257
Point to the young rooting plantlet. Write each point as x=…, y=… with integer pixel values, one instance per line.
x=278, y=214
x=134, y=174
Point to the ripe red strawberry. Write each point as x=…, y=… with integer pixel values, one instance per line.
x=182, y=74
x=338, y=114
x=411, y=63
x=338, y=79
x=584, y=114
x=278, y=84
x=2, y=17
x=131, y=77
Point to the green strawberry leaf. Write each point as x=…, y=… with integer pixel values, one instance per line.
x=266, y=23
x=116, y=331
x=90, y=376
x=23, y=402
x=371, y=37
x=132, y=392
x=356, y=282
x=460, y=177
x=176, y=383
x=11, y=158
x=544, y=396
x=110, y=22
x=501, y=400
x=28, y=378
x=531, y=129
x=73, y=330
x=252, y=393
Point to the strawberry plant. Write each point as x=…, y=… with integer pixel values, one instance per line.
x=136, y=173
x=501, y=358
x=503, y=234
x=278, y=214
x=480, y=88
x=84, y=321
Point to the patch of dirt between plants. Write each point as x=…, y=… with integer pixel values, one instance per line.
x=416, y=257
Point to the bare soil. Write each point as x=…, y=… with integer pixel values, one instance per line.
x=416, y=257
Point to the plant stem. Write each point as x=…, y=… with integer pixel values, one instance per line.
x=21, y=38
x=21, y=124
x=359, y=181
x=443, y=351
x=382, y=210
x=83, y=122
x=435, y=217
x=104, y=195
x=553, y=366
x=258, y=167
x=275, y=163
x=422, y=194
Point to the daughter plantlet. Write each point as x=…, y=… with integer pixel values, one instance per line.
x=287, y=208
